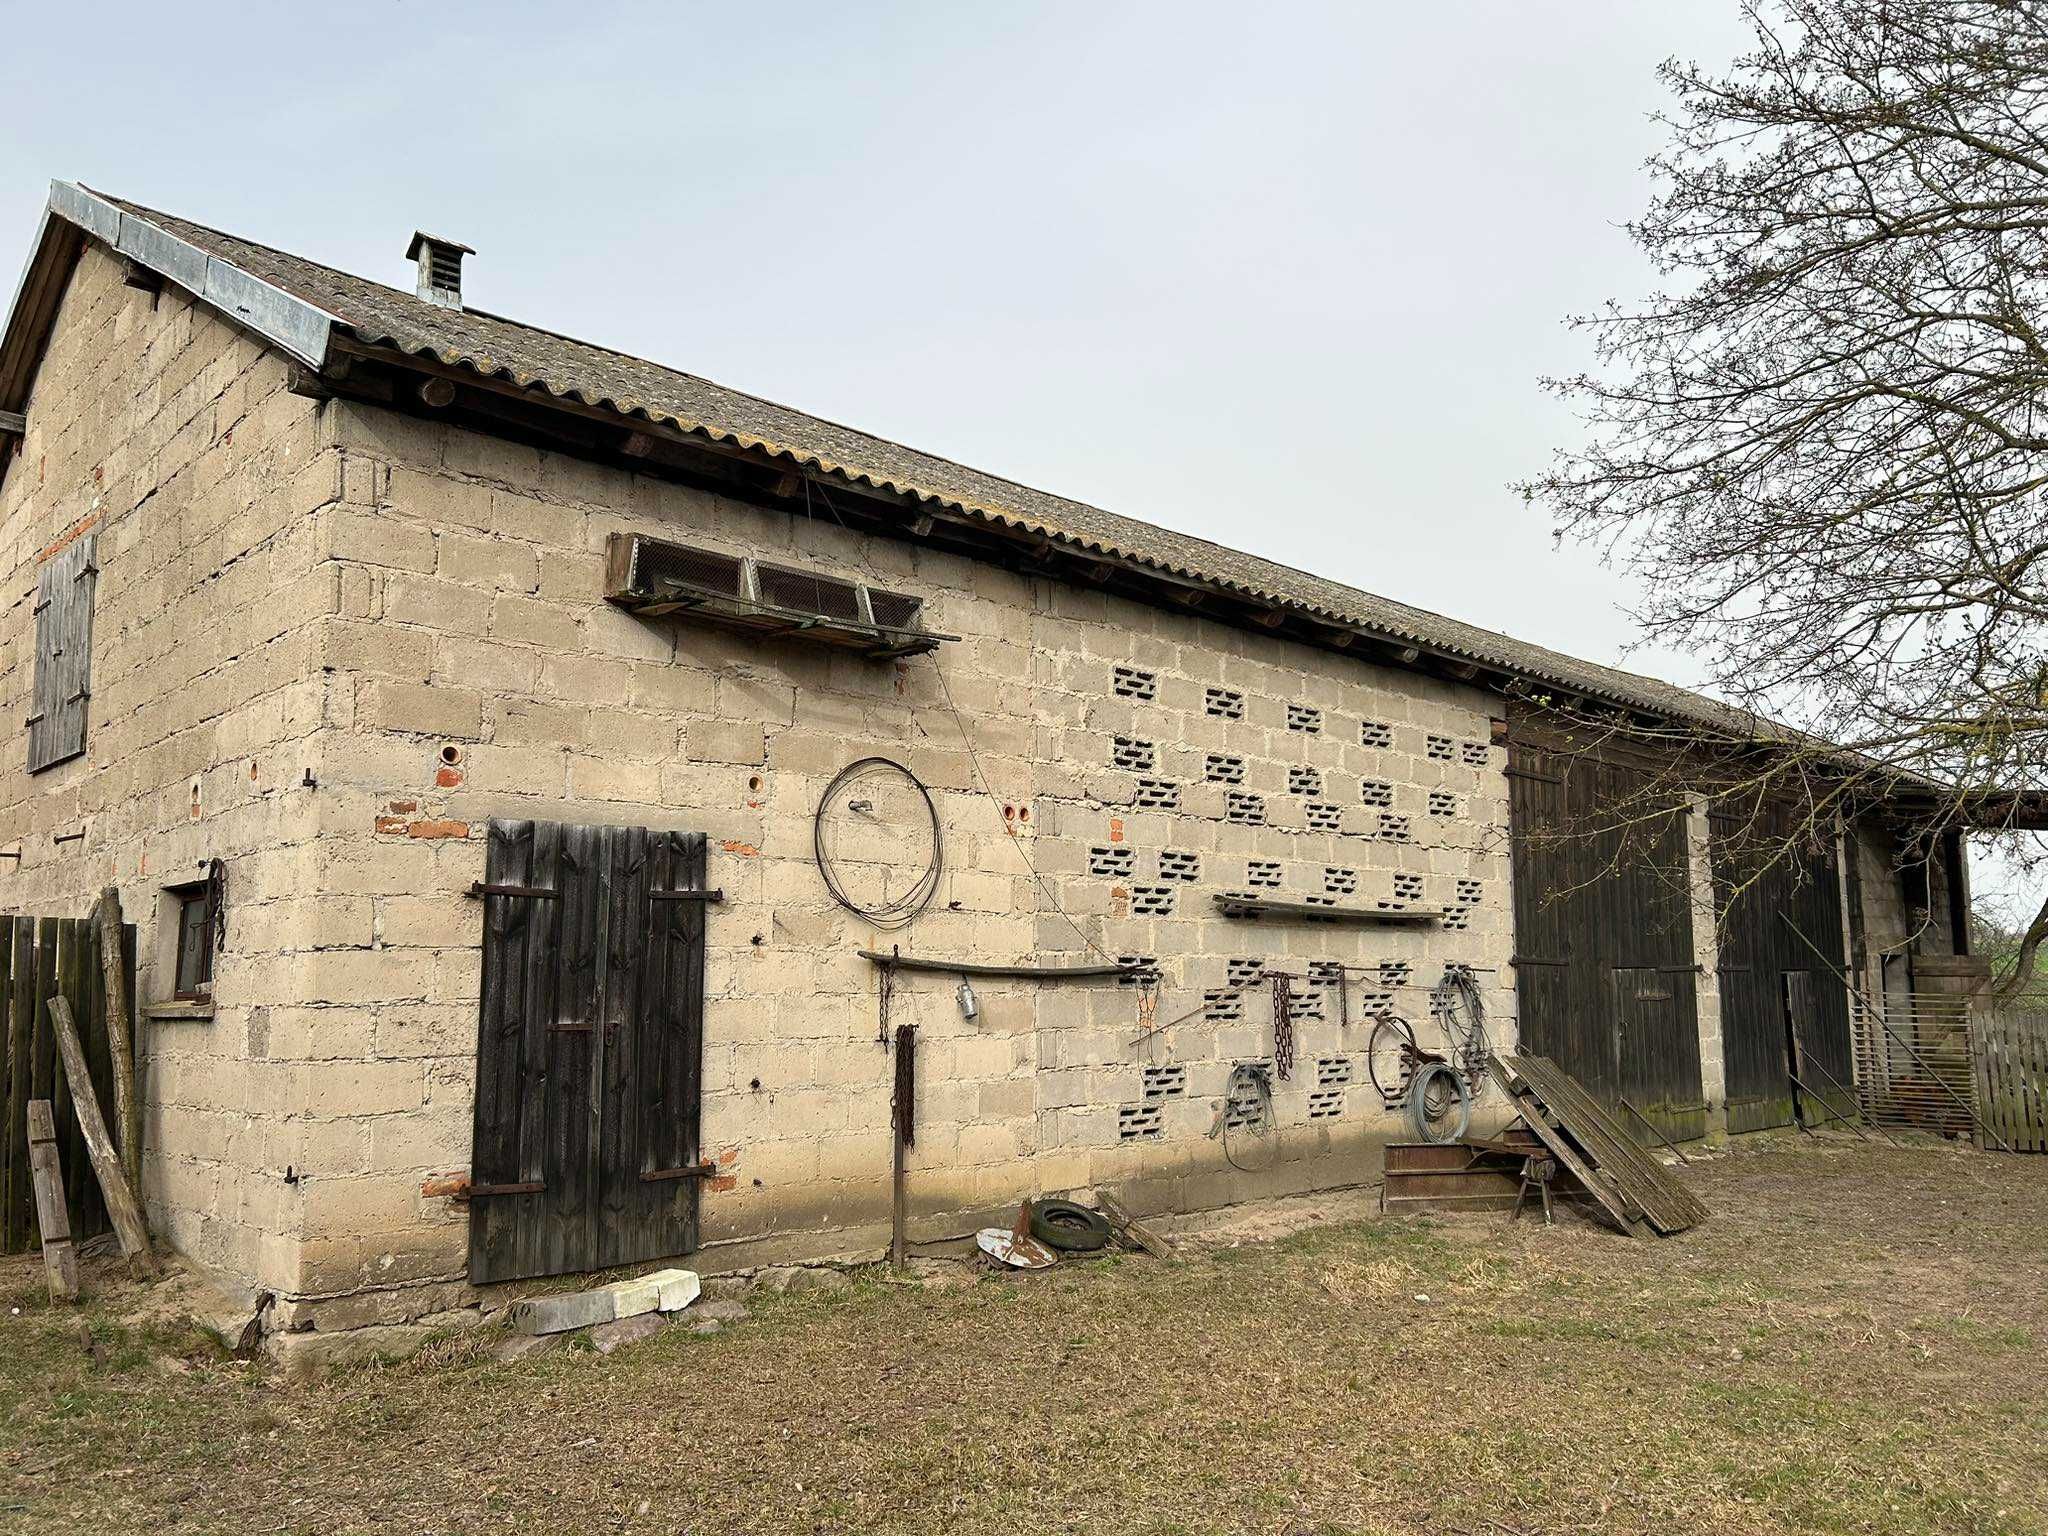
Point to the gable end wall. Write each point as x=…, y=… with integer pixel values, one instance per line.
x=170, y=434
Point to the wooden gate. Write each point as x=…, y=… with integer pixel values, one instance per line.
x=589, y=1049
x=1604, y=968
x=42, y=958
x=1782, y=1005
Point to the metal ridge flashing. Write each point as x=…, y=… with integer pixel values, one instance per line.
x=287, y=321
x=297, y=328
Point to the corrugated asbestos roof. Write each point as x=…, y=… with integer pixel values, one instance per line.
x=596, y=376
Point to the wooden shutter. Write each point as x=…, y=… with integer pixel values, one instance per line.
x=56, y=724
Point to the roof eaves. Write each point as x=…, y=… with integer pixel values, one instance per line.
x=33, y=307
x=1737, y=723
x=1520, y=668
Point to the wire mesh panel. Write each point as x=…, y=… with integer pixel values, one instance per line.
x=661, y=569
x=1913, y=1064
x=655, y=579
x=804, y=592
x=895, y=610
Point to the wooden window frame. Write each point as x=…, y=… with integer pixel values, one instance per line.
x=207, y=894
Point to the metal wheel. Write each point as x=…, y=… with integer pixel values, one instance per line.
x=1390, y=1057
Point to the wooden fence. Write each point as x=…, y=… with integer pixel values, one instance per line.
x=2012, y=1079
x=42, y=958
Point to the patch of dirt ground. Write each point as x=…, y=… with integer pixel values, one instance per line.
x=1851, y=1344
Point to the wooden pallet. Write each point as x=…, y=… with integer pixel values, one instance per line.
x=1636, y=1190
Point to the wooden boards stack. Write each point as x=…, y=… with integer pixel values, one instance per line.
x=1635, y=1189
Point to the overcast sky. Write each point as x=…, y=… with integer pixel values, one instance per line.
x=1285, y=276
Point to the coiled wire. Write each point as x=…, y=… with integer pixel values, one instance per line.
x=903, y=910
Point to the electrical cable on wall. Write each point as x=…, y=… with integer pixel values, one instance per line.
x=1460, y=1010
x=981, y=778
x=1439, y=1107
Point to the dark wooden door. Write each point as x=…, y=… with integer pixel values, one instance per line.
x=1646, y=1026
x=589, y=1049
x=1768, y=898
x=1604, y=969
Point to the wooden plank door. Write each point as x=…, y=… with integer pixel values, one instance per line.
x=1765, y=904
x=1603, y=926
x=1642, y=1011
x=654, y=1058
x=589, y=1049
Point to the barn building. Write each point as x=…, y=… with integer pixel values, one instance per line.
x=544, y=782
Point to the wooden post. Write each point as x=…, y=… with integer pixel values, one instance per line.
x=21, y=1044
x=1142, y=1235
x=902, y=1116
x=60, y=1259
x=122, y=1205
x=127, y=1103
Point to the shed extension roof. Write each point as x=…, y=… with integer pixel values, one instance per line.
x=300, y=305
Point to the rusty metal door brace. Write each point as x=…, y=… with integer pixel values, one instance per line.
x=702, y=1170
x=477, y=1191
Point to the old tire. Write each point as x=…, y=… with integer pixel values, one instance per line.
x=1068, y=1227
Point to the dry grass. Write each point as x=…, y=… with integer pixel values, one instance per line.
x=1852, y=1344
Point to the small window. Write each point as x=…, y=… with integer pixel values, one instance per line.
x=198, y=918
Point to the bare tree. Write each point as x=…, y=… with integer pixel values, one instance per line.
x=1823, y=447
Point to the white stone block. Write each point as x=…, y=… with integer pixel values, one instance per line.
x=663, y=1290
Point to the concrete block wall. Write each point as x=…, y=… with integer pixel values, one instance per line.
x=1706, y=949
x=331, y=643
x=171, y=436
x=485, y=676
x=480, y=674
x=1371, y=785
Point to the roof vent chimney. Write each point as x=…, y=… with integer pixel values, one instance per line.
x=440, y=267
